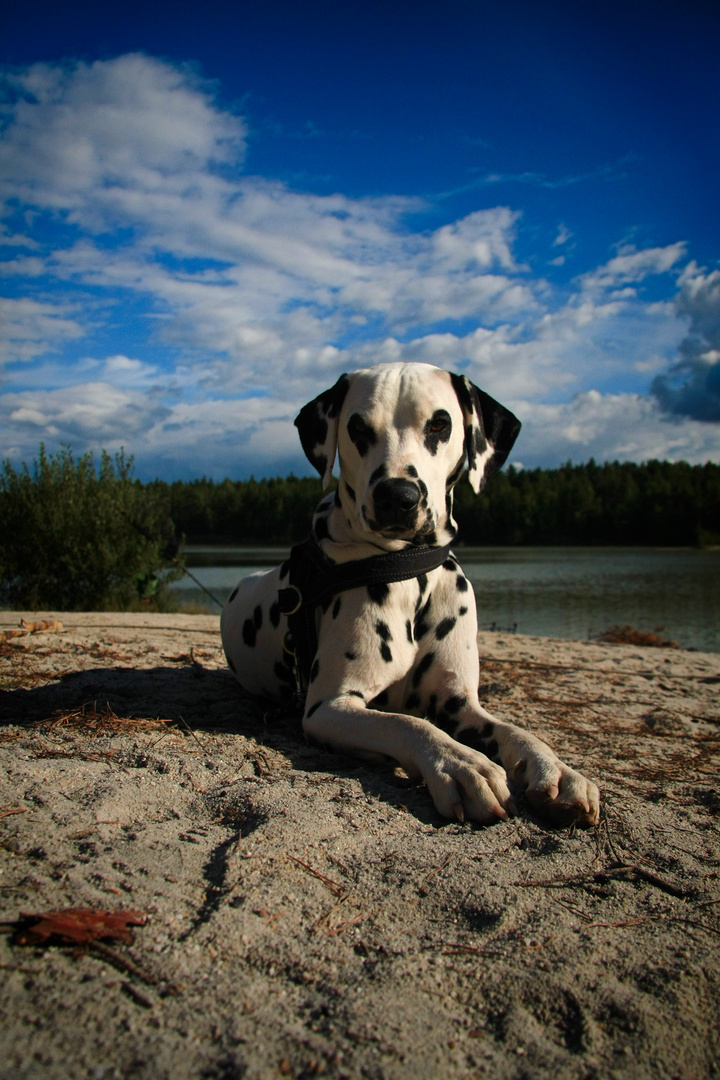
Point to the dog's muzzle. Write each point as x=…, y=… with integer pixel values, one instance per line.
x=396, y=504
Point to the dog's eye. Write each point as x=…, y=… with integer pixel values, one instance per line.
x=440, y=422
x=357, y=426
x=438, y=429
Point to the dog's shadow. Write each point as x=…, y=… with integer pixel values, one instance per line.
x=207, y=702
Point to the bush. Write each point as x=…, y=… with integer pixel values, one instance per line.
x=77, y=538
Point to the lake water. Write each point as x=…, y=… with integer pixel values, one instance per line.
x=553, y=592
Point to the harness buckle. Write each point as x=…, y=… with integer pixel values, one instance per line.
x=286, y=600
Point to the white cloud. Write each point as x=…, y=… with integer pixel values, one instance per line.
x=17, y=240
x=611, y=427
x=632, y=266
x=31, y=328
x=81, y=137
x=482, y=239
x=94, y=412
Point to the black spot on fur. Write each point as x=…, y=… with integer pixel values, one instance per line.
x=488, y=730
x=350, y=491
x=491, y=749
x=320, y=460
x=385, y=652
x=463, y=611
x=422, y=668
x=336, y=607
x=422, y=624
x=350, y=656
x=423, y=583
x=315, y=670
x=378, y=593
x=454, y=704
x=379, y=474
x=333, y=399
x=313, y=709
x=431, y=708
x=361, y=434
x=233, y=594
x=249, y=633
x=410, y=470
x=443, y=628
x=320, y=430
x=356, y=693
x=380, y=700
x=456, y=473
x=480, y=442
x=451, y=565
x=462, y=583
x=413, y=700
x=383, y=630
x=462, y=391
x=409, y=631
x=474, y=738
x=444, y=721
x=275, y=614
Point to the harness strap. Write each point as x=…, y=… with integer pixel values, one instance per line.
x=315, y=580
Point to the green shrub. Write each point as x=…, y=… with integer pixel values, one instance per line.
x=77, y=538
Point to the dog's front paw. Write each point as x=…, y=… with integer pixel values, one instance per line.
x=466, y=785
x=557, y=792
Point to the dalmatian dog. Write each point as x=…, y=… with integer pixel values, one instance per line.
x=396, y=670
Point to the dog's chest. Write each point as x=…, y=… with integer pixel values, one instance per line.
x=389, y=620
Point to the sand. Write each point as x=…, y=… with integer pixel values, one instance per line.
x=309, y=914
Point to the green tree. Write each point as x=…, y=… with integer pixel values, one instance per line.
x=74, y=537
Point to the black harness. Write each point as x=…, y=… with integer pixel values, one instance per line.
x=315, y=580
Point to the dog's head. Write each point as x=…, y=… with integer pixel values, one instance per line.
x=404, y=434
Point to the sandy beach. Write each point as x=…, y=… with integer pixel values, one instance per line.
x=306, y=914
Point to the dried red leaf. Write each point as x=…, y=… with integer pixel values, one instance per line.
x=77, y=926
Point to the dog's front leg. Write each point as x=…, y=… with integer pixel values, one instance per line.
x=556, y=791
x=463, y=782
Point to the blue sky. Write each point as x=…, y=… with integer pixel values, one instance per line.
x=209, y=212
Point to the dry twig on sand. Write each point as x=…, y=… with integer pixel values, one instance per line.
x=88, y=719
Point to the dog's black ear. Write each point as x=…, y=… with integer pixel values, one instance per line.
x=490, y=431
x=317, y=423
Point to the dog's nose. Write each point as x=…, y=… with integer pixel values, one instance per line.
x=395, y=502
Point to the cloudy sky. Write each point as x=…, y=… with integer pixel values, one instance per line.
x=208, y=212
